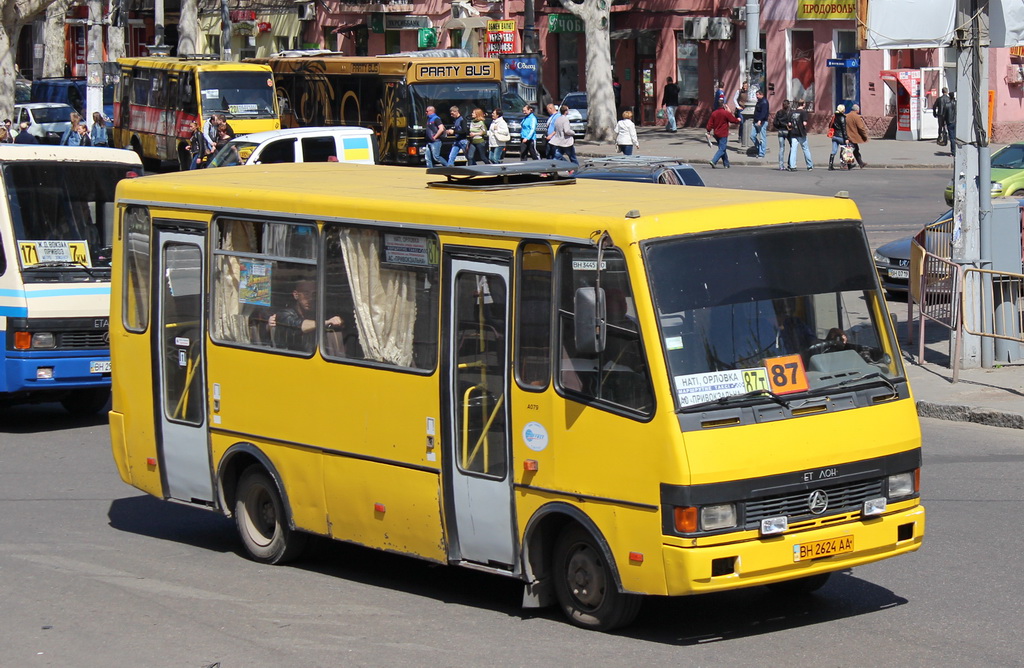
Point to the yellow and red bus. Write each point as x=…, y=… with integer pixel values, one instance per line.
x=158, y=97
x=389, y=94
x=640, y=395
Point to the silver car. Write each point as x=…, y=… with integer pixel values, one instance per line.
x=49, y=120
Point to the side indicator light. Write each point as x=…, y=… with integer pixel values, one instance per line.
x=636, y=557
x=530, y=465
x=150, y=461
x=22, y=340
x=379, y=508
x=685, y=519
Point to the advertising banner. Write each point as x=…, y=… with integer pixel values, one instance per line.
x=501, y=38
x=521, y=71
x=835, y=10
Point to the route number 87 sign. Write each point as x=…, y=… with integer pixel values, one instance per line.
x=786, y=374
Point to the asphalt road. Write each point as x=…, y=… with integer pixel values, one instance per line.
x=94, y=573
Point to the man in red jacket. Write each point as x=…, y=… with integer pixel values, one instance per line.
x=718, y=125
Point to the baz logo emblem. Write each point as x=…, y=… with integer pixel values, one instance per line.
x=817, y=502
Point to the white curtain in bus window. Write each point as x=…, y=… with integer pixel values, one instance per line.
x=384, y=286
x=265, y=285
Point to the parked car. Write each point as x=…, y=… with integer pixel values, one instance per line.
x=640, y=169
x=49, y=120
x=577, y=103
x=892, y=260
x=1007, y=173
x=22, y=91
x=334, y=144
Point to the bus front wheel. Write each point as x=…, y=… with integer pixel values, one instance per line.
x=585, y=584
x=262, y=524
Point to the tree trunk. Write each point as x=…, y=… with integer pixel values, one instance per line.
x=7, y=72
x=600, y=94
x=188, y=28
x=54, y=33
x=115, y=43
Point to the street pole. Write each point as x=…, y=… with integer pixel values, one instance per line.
x=753, y=38
x=94, y=61
x=972, y=198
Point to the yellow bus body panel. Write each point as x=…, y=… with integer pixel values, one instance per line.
x=350, y=442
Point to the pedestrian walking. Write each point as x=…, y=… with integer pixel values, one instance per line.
x=199, y=146
x=625, y=134
x=718, y=126
x=68, y=137
x=434, y=132
x=761, y=115
x=549, y=131
x=798, y=136
x=24, y=136
x=781, y=124
x=617, y=92
x=80, y=137
x=477, y=138
x=10, y=132
x=460, y=131
x=949, y=117
x=498, y=137
x=837, y=131
x=939, y=112
x=670, y=100
x=564, y=138
x=857, y=131
x=528, y=135
x=98, y=134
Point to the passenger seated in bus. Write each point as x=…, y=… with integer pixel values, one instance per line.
x=794, y=335
x=293, y=328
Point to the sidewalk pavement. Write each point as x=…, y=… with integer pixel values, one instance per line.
x=691, y=145
x=992, y=397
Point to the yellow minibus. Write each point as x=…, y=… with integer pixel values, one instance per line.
x=602, y=389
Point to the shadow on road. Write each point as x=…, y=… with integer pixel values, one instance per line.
x=676, y=621
x=45, y=417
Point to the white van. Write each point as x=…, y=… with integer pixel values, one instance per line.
x=334, y=144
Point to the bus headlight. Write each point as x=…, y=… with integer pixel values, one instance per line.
x=720, y=516
x=43, y=340
x=902, y=484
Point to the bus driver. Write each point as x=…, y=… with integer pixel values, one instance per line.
x=293, y=327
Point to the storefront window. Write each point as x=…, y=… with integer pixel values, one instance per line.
x=686, y=70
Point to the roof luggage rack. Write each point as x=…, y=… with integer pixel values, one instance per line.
x=506, y=175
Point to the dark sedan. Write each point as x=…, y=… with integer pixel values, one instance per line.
x=892, y=261
x=641, y=169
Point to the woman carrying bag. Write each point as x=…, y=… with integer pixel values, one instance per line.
x=625, y=134
x=497, y=137
x=477, y=138
x=837, y=131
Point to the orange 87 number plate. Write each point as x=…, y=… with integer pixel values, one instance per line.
x=816, y=549
x=786, y=374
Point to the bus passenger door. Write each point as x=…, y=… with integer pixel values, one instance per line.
x=181, y=376
x=478, y=455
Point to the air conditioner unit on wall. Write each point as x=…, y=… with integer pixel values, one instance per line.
x=696, y=28
x=306, y=11
x=720, y=27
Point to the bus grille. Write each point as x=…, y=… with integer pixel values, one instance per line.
x=83, y=340
x=794, y=505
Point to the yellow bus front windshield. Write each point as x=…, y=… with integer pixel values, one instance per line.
x=466, y=95
x=237, y=94
x=770, y=315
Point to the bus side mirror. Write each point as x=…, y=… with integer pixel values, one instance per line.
x=590, y=316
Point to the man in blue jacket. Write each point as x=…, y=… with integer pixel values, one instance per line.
x=528, y=134
x=760, y=123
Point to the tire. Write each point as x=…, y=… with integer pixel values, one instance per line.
x=83, y=403
x=262, y=522
x=585, y=585
x=1017, y=193
x=800, y=586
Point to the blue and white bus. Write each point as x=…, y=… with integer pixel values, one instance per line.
x=56, y=231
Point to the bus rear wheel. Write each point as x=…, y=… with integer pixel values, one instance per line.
x=85, y=402
x=261, y=520
x=585, y=585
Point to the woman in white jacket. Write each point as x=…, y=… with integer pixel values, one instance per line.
x=625, y=134
x=497, y=137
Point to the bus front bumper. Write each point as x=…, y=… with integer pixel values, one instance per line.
x=692, y=570
x=56, y=370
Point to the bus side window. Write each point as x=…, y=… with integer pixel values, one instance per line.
x=533, y=316
x=187, y=96
x=619, y=374
x=264, y=279
x=384, y=287
x=135, y=296
x=140, y=89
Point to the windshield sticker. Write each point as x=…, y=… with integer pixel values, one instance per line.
x=787, y=374
x=696, y=388
x=674, y=343
x=408, y=250
x=211, y=93
x=254, y=283
x=535, y=436
x=60, y=252
x=237, y=109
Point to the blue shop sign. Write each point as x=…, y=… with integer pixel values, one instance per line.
x=843, y=62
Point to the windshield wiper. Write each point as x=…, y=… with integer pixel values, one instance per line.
x=734, y=398
x=61, y=264
x=868, y=376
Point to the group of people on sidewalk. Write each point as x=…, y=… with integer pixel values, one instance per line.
x=847, y=131
x=78, y=132
x=485, y=143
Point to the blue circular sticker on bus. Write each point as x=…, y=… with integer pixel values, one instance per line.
x=535, y=436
